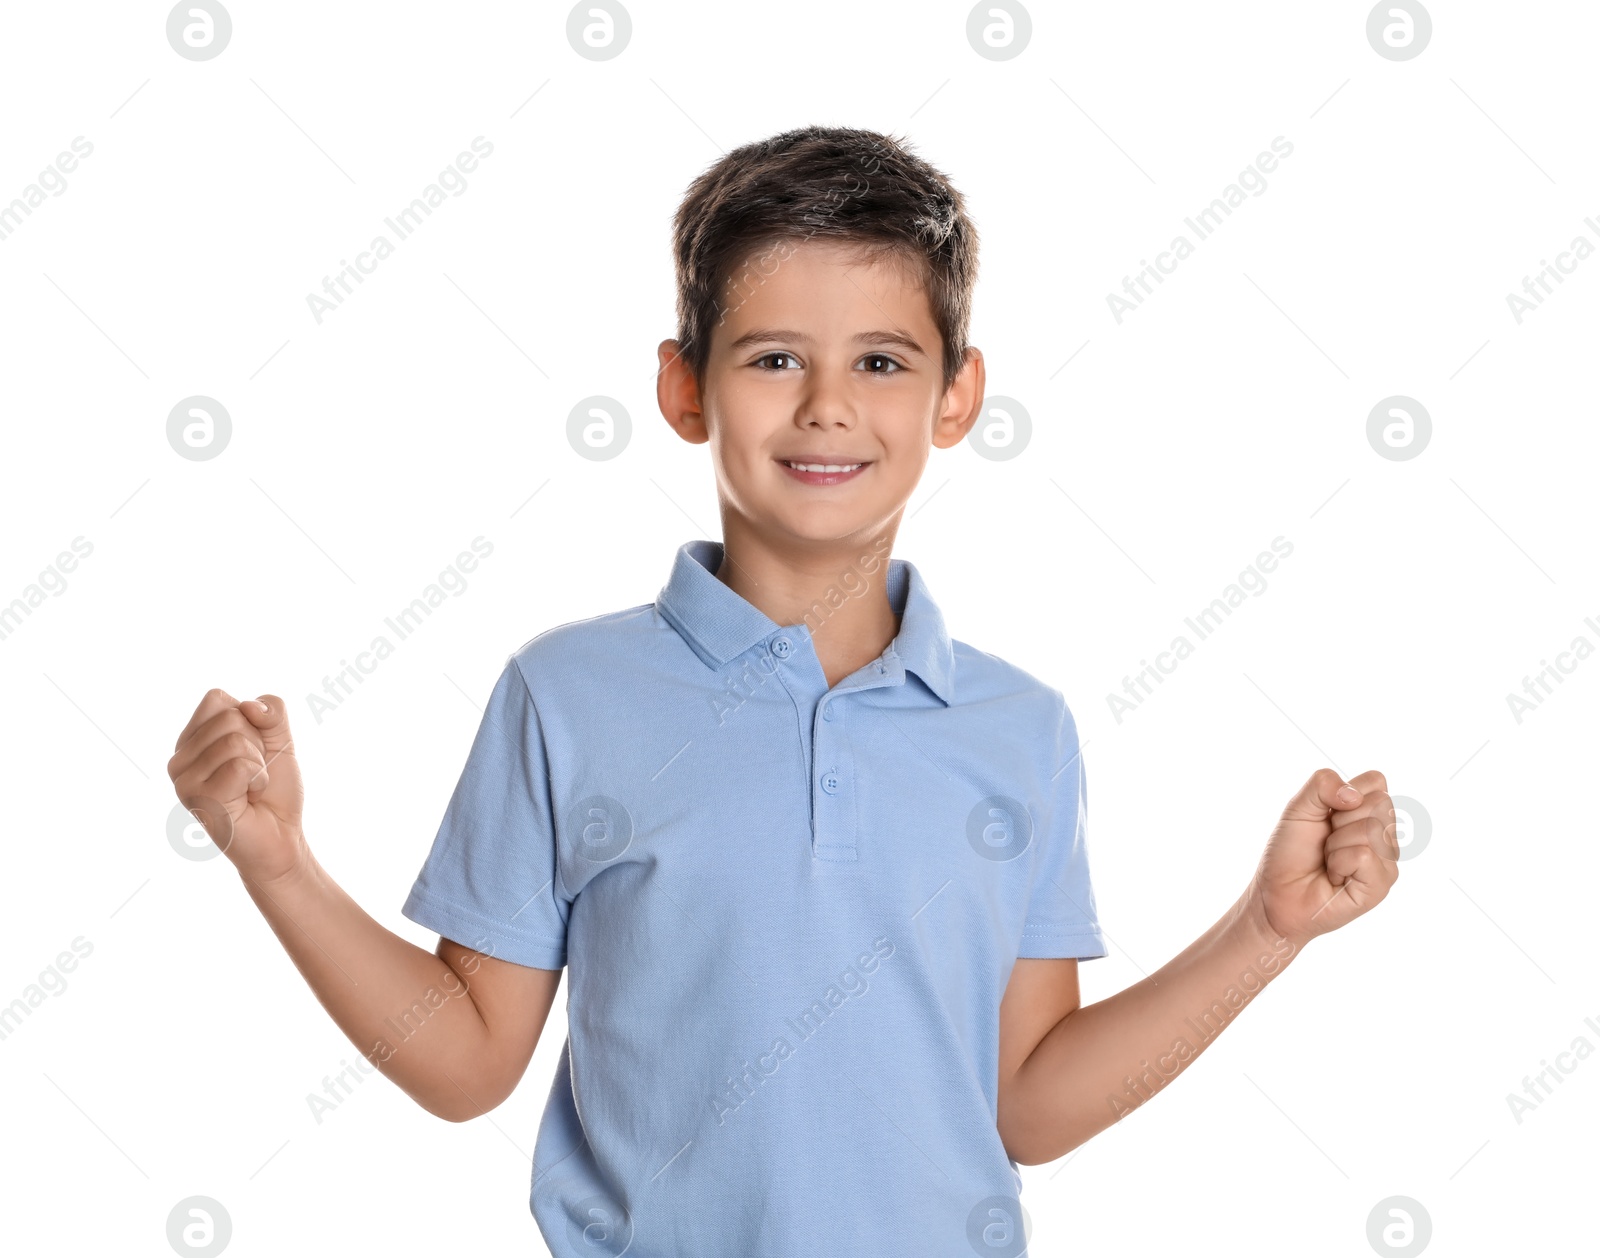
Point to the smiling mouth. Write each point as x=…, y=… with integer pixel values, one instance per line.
x=825, y=473
x=821, y=467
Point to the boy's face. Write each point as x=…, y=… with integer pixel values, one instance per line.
x=830, y=360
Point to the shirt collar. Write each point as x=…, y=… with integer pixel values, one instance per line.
x=720, y=625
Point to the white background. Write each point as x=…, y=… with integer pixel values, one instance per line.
x=1229, y=409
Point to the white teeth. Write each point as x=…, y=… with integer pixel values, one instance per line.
x=822, y=467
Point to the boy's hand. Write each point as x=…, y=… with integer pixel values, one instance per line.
x=1329, y=860
x=235, y=769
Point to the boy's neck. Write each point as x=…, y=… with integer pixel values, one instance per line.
x=790, y=585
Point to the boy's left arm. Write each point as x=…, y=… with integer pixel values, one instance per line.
x=1333, y=856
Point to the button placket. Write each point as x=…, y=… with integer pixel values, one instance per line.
x=832, y=759
x=833, y=793
x=801, y=675
x=835, y=816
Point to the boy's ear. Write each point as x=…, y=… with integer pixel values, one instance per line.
x=678, y=395
x=963, y=403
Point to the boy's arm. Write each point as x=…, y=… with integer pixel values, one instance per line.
x=1329, y=860
x=455, y=1031
x=1100, y=1062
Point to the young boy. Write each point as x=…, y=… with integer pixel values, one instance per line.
x=818, y=870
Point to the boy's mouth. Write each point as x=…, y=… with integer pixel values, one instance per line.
x=823, y=471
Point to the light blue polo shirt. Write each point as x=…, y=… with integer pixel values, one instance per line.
x=788, y=912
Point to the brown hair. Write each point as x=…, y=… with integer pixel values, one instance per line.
x=837, y=182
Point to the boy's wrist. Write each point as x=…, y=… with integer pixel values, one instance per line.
x=1252, y=925
x=300, y=873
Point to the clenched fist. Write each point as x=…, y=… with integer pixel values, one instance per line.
x=235, y=769
x=1333, y=856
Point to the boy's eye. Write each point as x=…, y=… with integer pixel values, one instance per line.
x=886, y=365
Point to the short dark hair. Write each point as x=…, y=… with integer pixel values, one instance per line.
x=836, y=182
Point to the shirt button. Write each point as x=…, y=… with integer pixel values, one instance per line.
x=781, y=647
x=827, y=710
x=830, y=781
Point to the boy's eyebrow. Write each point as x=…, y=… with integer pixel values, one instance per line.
x=760, y=336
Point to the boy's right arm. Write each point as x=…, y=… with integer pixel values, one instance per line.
x=454, y=1030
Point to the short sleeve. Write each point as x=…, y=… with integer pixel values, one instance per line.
x=1062, y=918
x=490, y=881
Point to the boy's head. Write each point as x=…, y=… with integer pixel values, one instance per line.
x=825, y=280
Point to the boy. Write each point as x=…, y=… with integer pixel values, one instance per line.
x=819, y=871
